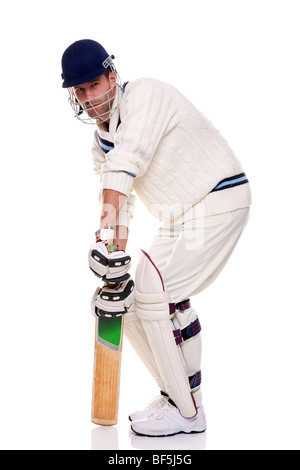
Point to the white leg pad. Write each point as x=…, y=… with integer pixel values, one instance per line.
x=135, y=333
x=153, y=308
x=191, y=349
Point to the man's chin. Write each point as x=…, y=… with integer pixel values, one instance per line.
x=93, y=114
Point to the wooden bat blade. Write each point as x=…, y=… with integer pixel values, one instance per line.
x=107, y=370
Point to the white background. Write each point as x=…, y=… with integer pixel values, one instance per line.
x=238, y=61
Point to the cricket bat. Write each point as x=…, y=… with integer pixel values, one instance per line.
x=107, y=370
x=107, y=361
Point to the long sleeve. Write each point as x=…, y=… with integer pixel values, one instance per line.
x=146, y=115
x=126, y=214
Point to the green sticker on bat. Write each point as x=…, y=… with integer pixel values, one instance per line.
x=110, y=332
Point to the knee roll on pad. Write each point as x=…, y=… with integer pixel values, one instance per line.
x=155, y=310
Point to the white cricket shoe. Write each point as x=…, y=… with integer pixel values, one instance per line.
x=155, y=405
x=168, y=421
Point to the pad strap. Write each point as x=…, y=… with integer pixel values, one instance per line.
x=186, y=333
x=184, y=305
x=195, y=380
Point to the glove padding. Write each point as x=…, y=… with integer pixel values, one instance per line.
x=114, y=299
x=107, y=262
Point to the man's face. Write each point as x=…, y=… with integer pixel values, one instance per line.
x=96, y=96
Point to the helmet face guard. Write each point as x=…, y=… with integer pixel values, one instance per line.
x=90, y=111
x=85, y=61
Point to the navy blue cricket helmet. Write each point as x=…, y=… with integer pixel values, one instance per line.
x=84, y=61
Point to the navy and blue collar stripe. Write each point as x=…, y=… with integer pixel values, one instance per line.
x=231, y=182
x=105, y=144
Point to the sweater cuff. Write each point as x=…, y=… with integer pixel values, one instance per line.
x=118, y=181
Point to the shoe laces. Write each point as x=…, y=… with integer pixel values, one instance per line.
x=155, y=401
x=159, y=414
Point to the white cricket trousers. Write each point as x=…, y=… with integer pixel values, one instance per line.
x=189, y=257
